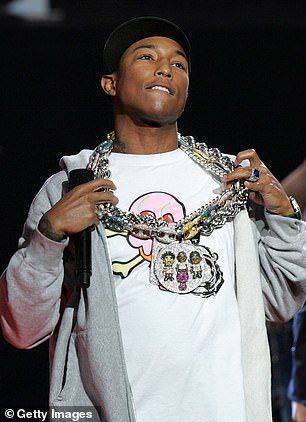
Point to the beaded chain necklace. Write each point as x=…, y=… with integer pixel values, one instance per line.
x=174, y=242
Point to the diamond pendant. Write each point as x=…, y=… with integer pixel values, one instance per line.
x=184, y=267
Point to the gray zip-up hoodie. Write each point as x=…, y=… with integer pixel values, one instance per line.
x=39, y=301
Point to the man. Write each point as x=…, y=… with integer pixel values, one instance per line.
x=288, y=341
x=135, y=345
x=294, y=183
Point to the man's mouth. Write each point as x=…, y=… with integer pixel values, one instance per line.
x=161, y=88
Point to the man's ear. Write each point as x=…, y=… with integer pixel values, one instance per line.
x=108, y=84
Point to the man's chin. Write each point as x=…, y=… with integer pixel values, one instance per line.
x=160, y=120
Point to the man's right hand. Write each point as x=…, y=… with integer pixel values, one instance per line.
x=77, y=209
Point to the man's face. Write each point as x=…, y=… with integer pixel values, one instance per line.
x=151, y=84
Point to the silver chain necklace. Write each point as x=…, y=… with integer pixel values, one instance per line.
x=204, y=220
x=179, y=263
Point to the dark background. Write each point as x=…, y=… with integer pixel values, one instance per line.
x=247, y=91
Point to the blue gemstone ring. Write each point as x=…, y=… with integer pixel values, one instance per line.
x=255, y=174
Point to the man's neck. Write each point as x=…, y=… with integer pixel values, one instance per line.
x=145, y=140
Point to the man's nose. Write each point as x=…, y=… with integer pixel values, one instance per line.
x=164, y=69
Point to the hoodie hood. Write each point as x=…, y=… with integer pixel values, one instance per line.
x=72, y=162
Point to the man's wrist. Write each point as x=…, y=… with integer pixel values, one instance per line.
x=294, y=207
x=47, y=230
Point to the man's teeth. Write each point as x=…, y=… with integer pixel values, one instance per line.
x=161, y=88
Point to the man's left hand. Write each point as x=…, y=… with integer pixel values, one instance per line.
x=266, y=190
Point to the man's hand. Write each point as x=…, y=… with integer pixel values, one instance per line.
x=267, y=190
x=77, y=209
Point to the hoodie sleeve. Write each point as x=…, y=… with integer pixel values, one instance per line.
x=282, y=255
x=31, y=286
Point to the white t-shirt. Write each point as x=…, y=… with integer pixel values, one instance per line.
x=183, y=351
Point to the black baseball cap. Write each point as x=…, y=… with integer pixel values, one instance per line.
x=136, y=29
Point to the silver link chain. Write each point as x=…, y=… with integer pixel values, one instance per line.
x=204, y=220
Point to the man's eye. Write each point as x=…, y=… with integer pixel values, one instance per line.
x=179, y=65
x=145, y=57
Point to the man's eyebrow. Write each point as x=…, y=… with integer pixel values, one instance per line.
x=155, y=47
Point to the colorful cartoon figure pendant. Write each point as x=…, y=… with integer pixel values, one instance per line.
x=184, y=267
